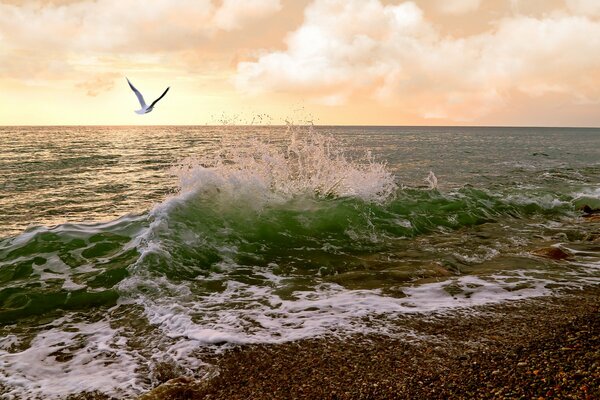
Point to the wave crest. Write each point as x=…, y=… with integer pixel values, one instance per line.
x=309, y=163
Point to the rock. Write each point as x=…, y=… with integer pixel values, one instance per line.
x=437, y=270
x=183, y=387
x=589, y=210
x=590, y=214
x=553, y=253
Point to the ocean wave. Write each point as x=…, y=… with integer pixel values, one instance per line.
x=266, y=242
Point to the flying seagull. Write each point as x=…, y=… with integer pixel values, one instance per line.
x=145, y=109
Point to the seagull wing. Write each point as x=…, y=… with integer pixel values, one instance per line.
x=161, y=96
x=138, y=94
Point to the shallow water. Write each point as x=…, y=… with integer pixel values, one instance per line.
x=122, y=248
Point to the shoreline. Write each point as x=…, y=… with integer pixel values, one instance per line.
x=547, y=347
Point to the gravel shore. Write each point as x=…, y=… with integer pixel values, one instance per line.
x=544, y=348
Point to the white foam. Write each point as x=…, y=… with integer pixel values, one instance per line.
x=589, y=196
x=588, y=192
x=241, y=313
x=477, y=256
x=546, y=201
x=432, y=180
x=96, y=361
x=8, y=341
x=246, y=313
x=308, y=163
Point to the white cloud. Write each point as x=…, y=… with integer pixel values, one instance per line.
x=234, y=13
x=394, y=53
x=103, y=25
x=589, y=7
x=458, y=6
x=340, y=41
x=52, y=39
x=132, y=25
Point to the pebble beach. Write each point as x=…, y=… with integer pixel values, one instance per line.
x=545, y=348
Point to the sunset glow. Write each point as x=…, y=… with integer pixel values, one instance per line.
x=371, y=62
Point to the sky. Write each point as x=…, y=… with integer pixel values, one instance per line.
x=338, y=62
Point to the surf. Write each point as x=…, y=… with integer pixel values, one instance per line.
x=295, y=234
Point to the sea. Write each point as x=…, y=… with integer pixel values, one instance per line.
x=124, y=249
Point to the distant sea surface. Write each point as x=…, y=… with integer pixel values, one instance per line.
x=124, y=249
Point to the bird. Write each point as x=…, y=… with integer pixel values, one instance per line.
x=145, y=109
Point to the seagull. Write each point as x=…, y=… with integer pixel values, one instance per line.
x=145, y=109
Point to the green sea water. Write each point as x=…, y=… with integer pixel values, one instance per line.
x=122, y=248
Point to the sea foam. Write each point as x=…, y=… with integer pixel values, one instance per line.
x=308, y=163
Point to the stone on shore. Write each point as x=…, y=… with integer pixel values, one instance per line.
x=553, y=253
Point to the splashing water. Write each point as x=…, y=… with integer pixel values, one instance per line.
x=432, y=180
x=308, y=164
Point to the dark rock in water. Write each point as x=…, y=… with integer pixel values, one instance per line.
x=553, y=253
x=589, y=210
x=590, y=214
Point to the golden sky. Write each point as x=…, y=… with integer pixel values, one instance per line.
x=366, y=62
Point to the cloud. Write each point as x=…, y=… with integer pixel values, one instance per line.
x=98, y=84
x=106, y=25
x=132, y=25
x=340, y=41
x=65, y=39
x=588, y=7
x=233, y=13
x=400, y=59
x=24, y=65
x=457, y=6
